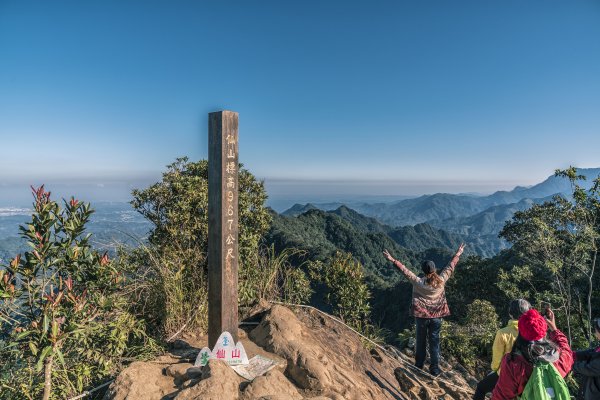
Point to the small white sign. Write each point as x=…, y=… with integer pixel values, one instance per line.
x=226, y=350
x=257, y=366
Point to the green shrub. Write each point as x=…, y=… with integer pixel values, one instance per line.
x=406, y=338
x=347, y=291
x=473, y=338
x=296, y=286
x=273, y=277
x=64, y=319
x=172, y=268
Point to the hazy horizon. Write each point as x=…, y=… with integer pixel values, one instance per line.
x=327, y=91
x=283, y=193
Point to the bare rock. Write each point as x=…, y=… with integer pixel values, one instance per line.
x=141, y=381
x=178, y=372
x=194, y=373
x=324, y=356
x=272, y=386
x=420, y=386
x=318, y=359
x=218, y=382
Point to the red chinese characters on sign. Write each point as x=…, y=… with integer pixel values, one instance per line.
x=225, y=350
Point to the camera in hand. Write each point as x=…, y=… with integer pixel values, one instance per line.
x=544, y=308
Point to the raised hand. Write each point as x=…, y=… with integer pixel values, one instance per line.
x=387, y=255
x=460, y=250
x=549, y=315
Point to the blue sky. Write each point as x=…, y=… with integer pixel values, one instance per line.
x=376, y=97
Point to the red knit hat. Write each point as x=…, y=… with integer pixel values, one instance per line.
x=532, y=326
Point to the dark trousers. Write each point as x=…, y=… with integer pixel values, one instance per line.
x=428, y=330
x=485, y=386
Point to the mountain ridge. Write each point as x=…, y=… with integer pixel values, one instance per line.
x=478, y=219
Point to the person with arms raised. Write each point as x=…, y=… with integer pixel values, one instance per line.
x=428, y=306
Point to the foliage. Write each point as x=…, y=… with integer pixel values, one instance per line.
x=322, y=234
x=64, y=321
x=406, y=338
x=177, y=206
x=164, y=289
x=557, y=242
x=472, y=338
x=475, y=278
x=347, y=292
x=273, y=277
x=173, y=267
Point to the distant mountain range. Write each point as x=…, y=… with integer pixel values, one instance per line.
x=478, y=219
x=112, y=224
x=321, y=233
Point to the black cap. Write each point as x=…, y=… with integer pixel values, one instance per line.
x=428, y=267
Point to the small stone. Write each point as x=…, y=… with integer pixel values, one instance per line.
x=178, y=371
x=194, y=373
x=218, y=382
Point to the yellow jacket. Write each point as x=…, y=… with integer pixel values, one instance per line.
x=503, y=343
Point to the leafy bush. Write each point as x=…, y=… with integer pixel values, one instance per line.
x=557, y=243
x=63, y=317
x=273, y=277
x=474, y=336
x=475, y=278
x=347, y=291
x=168, y=292
x=172, y=269
x=406, y=338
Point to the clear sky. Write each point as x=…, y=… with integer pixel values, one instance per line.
x=434, y=94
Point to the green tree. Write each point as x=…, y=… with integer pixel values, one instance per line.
x=474, y=279
x=63, y=319
x=473, y=336
x=174, y=263
x=557, y=242
x=347, y=292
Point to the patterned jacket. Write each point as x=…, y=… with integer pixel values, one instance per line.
x=427, y=301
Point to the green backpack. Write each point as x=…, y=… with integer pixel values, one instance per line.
x=545, y=383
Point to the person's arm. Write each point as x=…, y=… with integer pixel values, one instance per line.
x=583, y=355
x=408, y=273
x=498, y=351
x=449, y=269
x=565, y=362
x=588, y=368
x=507, y=387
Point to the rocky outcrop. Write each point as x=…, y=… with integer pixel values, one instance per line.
x=273, y=386
x=217, y=382
x=142, y=380
x=319, y=359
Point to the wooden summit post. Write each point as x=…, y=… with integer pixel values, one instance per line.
x=222, y=225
